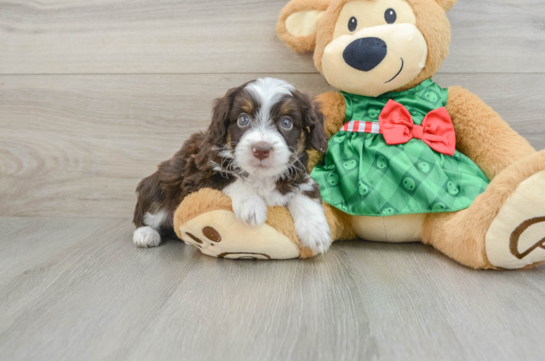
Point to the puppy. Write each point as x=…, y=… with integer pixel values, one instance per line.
x=254, y=152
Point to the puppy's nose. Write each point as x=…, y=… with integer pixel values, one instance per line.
x=365, y=54
x=261, y=150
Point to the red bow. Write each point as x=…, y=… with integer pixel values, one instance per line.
x=437, y=131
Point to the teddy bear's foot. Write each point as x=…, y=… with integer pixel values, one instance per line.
x=516, y=237
x=505, y=226
x=220, y=234
x=206, y=220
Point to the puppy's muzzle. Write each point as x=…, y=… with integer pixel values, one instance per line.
x=261, y=150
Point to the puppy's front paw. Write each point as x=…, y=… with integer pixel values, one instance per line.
x=314, y=235
x=251, y=210
x=146, y=237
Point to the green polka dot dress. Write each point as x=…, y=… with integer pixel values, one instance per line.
x=362, y=175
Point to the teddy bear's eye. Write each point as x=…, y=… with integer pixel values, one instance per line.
x=352, y=24
x=390, y=16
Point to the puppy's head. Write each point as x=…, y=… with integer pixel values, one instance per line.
x=264, y=127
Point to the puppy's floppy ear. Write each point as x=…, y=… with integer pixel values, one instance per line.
x=313, y=123
x=297, y=23
x=217, y=131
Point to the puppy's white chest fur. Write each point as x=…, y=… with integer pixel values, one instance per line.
x=266, y=189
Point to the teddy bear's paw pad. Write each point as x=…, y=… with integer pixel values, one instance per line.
x=516, y=237
x=220, y=234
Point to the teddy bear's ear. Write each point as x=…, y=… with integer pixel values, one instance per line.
x=298, y=21
x=447, y=4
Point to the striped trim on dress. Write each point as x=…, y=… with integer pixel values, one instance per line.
x=357, y=126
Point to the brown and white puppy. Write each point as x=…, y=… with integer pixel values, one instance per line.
x=255, y=151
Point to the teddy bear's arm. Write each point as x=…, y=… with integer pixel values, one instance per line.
x=482, y=135
x=333, y=105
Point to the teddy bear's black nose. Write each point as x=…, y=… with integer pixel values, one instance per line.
x=365, y=54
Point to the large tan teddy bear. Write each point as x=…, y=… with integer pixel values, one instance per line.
x=407, y=160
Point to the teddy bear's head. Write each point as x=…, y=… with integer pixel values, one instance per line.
x=369, y=47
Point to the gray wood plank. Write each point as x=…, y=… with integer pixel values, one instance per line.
x=78, y=145
x=230, y=36
x=497, y=36
x=93, y=296
x=422, y=296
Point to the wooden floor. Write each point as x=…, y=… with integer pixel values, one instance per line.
x=93, y=94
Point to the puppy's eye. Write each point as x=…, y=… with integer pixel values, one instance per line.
x=352, y=24
x=286, y=124
x=390, y=16
x=243, y=121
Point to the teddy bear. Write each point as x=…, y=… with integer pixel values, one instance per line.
x=408, y=161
